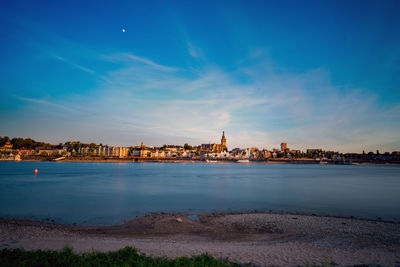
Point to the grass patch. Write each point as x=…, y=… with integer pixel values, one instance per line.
x=127, y=256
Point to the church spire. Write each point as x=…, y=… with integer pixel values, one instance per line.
x=223, y=140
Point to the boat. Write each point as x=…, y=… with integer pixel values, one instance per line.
x=353, y=163
x=323, y=162
x=211, y=161
x=243, y=161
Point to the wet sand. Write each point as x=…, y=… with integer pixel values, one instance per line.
x=263, y=239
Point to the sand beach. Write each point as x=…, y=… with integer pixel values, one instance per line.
x=263, y=239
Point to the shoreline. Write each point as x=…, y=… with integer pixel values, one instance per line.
x=265, y=238
x=51, y=221
x=215, y=161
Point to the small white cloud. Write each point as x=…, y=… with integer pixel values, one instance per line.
x=194, y=51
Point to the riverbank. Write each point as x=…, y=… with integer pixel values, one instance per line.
x=210, y=161
x=264, y=239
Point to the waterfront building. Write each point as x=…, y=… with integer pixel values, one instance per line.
x=396, y=155
x=236, y=152
x=112, y=151
x=157, y=153
x=186, y=154
x=224, y=155
x=145, y=153
x=141, y=151
x=315, y=153
x=283, y=147
x=258, y=155
x=100, y=151
x=83, y=150
x=170, y=154
x=244, y=153
x=216, y=148
x=25, y=151
x=172, y=148
x=266, y=153
x=49, y=151
x=7, y=145
x=117, y=151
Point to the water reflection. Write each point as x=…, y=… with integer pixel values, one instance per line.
x=108, y=193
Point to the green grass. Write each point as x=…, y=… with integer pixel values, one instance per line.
x=127, y=256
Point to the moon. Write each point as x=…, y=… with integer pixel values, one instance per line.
x=123, y=30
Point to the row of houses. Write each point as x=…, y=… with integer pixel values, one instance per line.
x=174, y=151
x=170, y=151
x=159, y=152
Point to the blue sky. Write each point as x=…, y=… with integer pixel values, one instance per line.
x=315, y=74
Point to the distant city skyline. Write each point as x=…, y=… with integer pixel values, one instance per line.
x=310, y=74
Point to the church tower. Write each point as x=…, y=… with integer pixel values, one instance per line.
x=223, y=141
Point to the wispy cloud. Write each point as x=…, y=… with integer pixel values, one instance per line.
x=45, y=103
x=146, y=101
x=133, y=58
x=304, y=109
x=83, y=68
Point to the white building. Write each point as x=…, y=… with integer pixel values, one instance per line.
x=112, y=151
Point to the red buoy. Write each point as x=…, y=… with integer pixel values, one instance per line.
x=36, y=171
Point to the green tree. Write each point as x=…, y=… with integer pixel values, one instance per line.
x=92, y=146
x=4, y=140
x=44, y=153
x=187, y=147
x=76, y=145
x=18, y=142
x=26, y=143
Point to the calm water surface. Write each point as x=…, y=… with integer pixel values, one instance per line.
x=109, y=193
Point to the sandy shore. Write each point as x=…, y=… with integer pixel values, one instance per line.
x=263, y=239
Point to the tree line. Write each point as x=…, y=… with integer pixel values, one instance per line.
x=19, y=143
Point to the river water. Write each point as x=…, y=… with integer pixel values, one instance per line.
x=110, y=193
